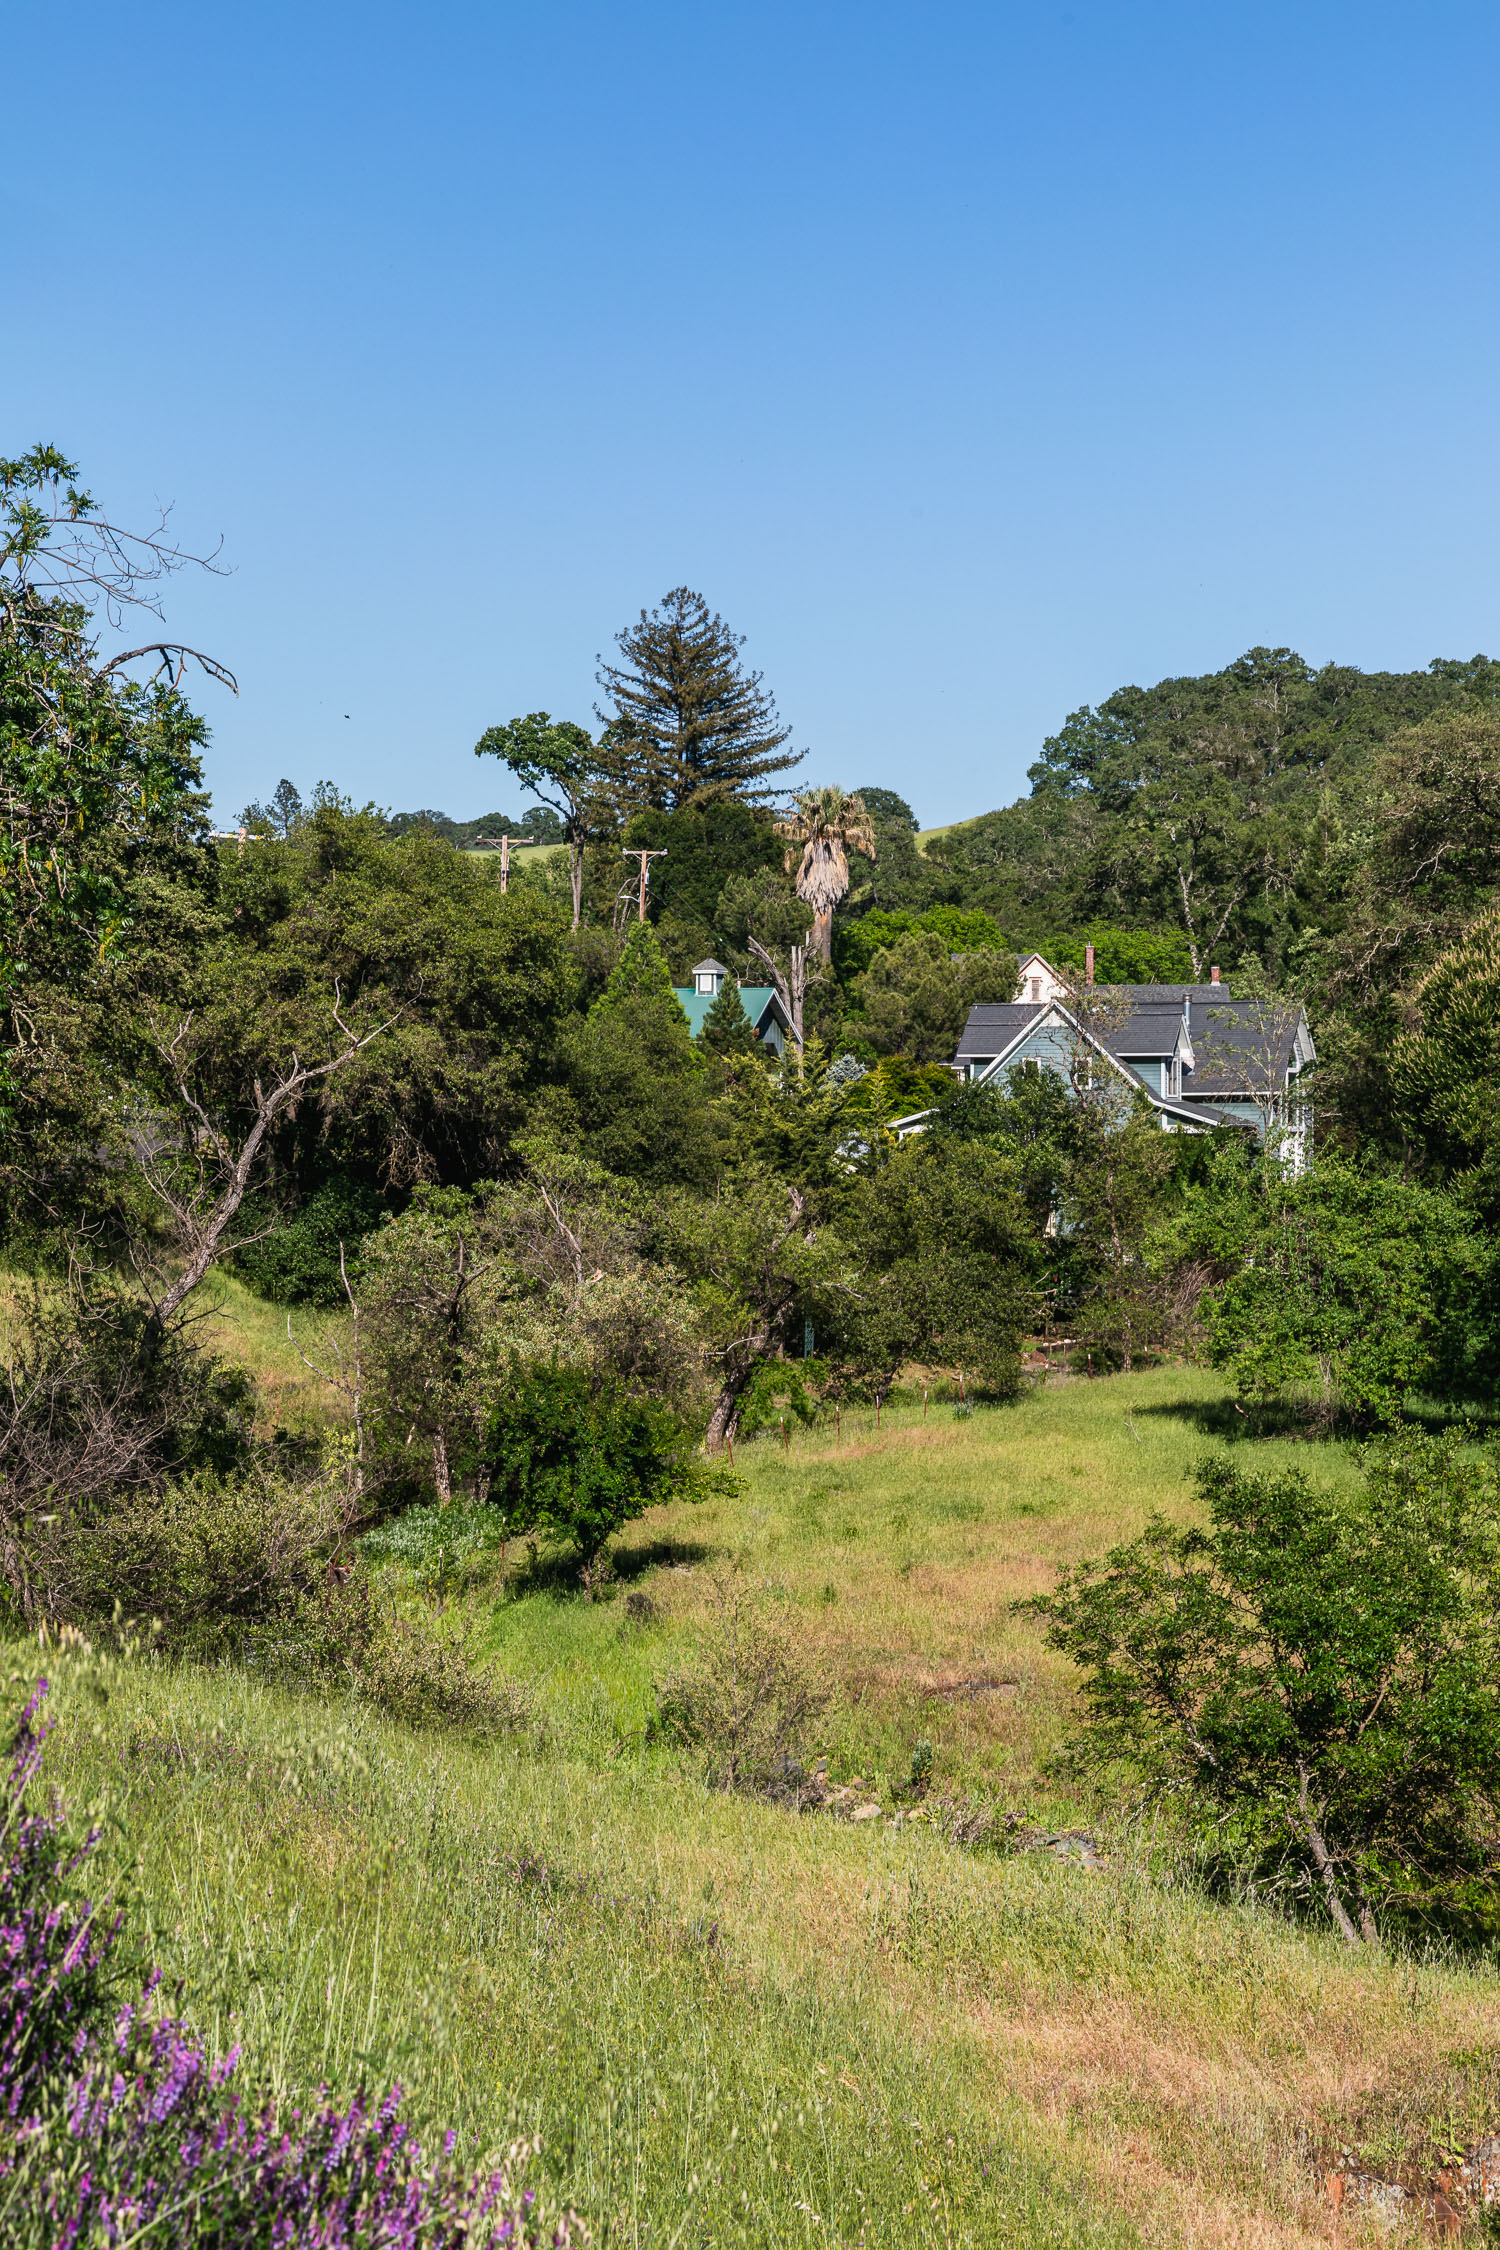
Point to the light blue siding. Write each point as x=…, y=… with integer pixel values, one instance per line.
x=1152, y=1075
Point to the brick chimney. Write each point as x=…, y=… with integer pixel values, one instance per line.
x=1213, y=976
x=1088, y=963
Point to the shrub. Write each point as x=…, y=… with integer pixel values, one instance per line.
x=116, y=2125
x=1321, y=1673
x=749, y=1705
x=101, y=1408
x=297, y=1262
x=427, y=1679
x=209, y=1560
x=243, y=1568
x=579, y=1462
x=439, y=1545
x=1358, y=1286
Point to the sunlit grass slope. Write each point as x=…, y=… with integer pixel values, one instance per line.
x=739, y=2025
x=529, y=1944
x=896, y=1555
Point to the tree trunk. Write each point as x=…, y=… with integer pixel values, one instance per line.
x=575, y=869
x=440, y=1475
x=1323, y=1861
x=724, y=1419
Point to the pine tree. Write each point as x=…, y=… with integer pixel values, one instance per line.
x=641, y=973
x=727, y=1029
x=688, y=720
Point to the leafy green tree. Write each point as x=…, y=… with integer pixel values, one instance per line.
x=1097, y=1176
x=563, y=1456
x=964, y=930
x=642, y=974
x=1347, y=1283
x=946, y=1261
x=1445, y=1067
x=1321, y=1672
x=727, y=1030
x=1237, y=808
x=1428, y=856
x=99, y=772
x=642, y=1096
x=915, y=997
x=1031, y=1117
x=1124, y=956
x=478, y=990
x=707, y=845
x=560, y=763
x=280, y=817
x=758, y=1264
x=295, y=1259
x=762, y=906
x=691, y=723
x=896, y=1087
x=898, y=875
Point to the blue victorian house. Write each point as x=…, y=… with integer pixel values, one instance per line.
x=1203, y=1057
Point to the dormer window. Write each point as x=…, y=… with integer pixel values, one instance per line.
x=708, y=976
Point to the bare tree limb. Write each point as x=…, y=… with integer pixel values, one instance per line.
x=174, y=656
x=203, y=1214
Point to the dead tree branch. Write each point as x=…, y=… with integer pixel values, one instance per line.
x=202, y=1212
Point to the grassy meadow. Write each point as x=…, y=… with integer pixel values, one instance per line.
x=735, y=2024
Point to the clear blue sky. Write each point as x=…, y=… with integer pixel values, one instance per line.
x=971, y=359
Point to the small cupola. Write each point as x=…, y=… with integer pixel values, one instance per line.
x=707, y=978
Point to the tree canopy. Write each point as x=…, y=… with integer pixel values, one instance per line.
x=687, y=718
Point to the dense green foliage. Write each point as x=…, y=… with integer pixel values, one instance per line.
x=565, y=1457
x=1346, y=1283
x=551, y=1258
x=1321, y=1671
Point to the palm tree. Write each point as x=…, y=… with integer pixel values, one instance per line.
x=828, y=825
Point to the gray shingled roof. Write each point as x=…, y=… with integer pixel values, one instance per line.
x=992, y=1025
x=1242, y=1045
x=1145, y=1031
x=1239, y=1046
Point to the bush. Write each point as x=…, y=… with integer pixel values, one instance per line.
x=210, y=1560
x=750, y=1703
x=579, y=1462
x=243, y=1568
x=1320, y=1673
x=439, y=1545
x=431, y=1680
x=297, y=1262
x=101, y=1408
x=1349, y=1283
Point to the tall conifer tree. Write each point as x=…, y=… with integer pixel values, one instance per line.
x=688, y=719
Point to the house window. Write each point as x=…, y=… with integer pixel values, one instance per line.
x=1036, y=991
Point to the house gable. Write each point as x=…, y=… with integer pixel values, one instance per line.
x=761, y=1002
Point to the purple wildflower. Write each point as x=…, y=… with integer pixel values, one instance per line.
x=155, y=2135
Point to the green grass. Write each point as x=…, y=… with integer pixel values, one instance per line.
x=501, y=1931
x=737, y=2025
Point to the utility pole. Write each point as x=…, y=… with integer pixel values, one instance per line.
x=645, y=858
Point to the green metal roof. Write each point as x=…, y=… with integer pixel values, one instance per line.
x=695, y=1005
